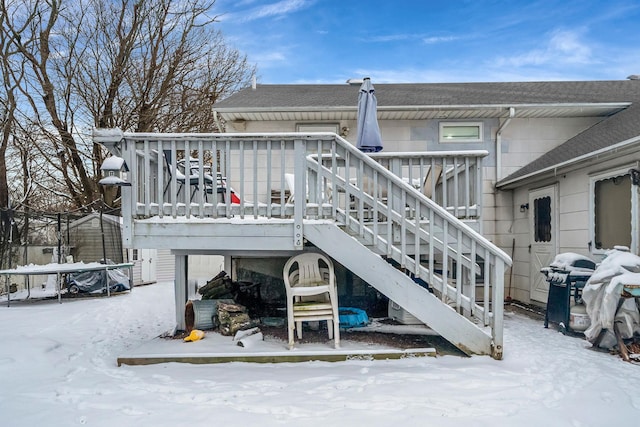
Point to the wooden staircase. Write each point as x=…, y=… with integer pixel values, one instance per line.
x=400, y=288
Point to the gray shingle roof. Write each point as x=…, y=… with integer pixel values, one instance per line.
x=619, y=127
x=318, y=96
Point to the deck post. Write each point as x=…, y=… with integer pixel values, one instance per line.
x=127, y=193
x=181, y=291
x=300, y=185
x=498, y=309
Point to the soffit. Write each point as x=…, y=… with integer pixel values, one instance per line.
x=425, y=113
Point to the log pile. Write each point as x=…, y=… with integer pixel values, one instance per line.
x=221, y=286
x=233, y=318
x=245, y=293
x=231, y=314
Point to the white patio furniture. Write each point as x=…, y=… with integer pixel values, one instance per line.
x=310, y=283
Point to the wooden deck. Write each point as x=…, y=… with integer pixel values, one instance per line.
x=412, y=210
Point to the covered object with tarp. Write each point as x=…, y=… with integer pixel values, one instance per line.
x=611, y=296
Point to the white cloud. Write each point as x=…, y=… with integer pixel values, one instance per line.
x=388, y=38
x=277, y=10
x=435, y=40
x=563, y=47
x=266, y=59
x=400, y=37
x=411, y=75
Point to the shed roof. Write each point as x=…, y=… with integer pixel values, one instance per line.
x=112, y=219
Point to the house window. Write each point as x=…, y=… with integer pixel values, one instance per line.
x=542, y=219
x=612, y=213
x=318, y=127
x=460, y=132
x=134, y=255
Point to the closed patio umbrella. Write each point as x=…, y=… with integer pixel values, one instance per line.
x=368, y=137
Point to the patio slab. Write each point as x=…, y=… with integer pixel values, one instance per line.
x=216, y=348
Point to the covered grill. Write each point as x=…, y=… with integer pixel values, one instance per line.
x=567, y=275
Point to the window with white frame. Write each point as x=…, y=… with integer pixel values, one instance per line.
x=611, y=210
x=460, y=132
x=318, y=127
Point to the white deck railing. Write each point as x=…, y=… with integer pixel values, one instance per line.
x=381, y=199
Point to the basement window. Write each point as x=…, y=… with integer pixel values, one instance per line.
x=460, y=132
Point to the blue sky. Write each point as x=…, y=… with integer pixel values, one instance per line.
x=431, y=41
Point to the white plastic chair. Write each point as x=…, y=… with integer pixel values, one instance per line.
x=310, y=283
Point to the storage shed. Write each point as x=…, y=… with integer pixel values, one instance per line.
x=91, y=241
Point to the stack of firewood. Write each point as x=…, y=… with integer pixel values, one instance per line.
x=245, y=293
x=231, y=315
x=221, y=286
x=233, y=318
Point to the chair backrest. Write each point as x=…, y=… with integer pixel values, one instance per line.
x=290, y=180
x=434, y=175
x=308, y=270
x=180, y=176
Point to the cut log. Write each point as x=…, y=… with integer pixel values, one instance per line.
x=245, y=333
x=251, y=340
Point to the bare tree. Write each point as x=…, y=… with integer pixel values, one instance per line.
x=140, y=65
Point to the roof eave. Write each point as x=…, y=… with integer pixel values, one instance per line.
x=505, y=106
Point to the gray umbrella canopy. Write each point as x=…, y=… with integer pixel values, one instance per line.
x=369, y=139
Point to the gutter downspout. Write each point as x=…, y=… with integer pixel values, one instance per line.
x=512, y=113
x=217, y=122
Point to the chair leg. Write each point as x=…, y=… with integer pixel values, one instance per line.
x=291, y=327
x=299, y=330
x=336, y=327
x=330, y=328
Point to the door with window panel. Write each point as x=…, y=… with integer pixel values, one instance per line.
x=543, y=226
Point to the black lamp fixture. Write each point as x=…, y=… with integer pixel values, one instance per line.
x=524, y=207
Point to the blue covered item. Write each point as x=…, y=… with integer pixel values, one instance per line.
x=351, y=317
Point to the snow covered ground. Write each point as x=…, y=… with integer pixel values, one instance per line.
x=58, y=368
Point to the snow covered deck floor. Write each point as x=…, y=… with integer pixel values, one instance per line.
x=216, y=348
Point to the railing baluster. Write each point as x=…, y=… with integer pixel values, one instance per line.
x=256, y=199
x=417, y=239
x=459, y=277
x=227, y=187
x=268, y=154
x=472, y=275
x=160, y=175
x=467, y=189
x=445, y=260
x=403, y=230
x=488, y=284
x=456, y=189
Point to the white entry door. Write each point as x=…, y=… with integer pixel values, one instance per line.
x=543, y=226
x=148, y=265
